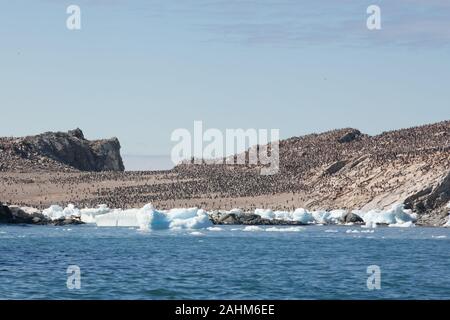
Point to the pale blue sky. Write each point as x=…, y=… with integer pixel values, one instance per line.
x=140, y=69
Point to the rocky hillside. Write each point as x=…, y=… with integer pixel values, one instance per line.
x=60, y=151
x=338, y=169
x=346, y=169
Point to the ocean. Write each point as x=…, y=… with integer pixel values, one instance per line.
x=226, y=262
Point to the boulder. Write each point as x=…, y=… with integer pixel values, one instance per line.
x=67, y=221
x=229, y=218
x=351, y=217
x=248, y=219
x=21, y=216
x=5, y=214
x=353, y=134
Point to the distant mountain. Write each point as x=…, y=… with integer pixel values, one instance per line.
x=60, y=151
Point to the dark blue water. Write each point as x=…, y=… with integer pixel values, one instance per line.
x=313, y=263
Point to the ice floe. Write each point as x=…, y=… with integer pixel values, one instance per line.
x=284, y=229
x=149, y=218
x=396, y=216
x=252, y=228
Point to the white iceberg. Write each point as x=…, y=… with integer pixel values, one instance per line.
x=397, y=215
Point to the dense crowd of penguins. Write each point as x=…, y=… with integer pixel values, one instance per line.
x=301, y=158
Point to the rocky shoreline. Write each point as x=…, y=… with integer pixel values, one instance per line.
x=17, y=215
x=221, y=218
x=343, y=168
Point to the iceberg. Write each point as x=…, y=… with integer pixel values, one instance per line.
x=88, y=214
x=397, y=215
x=56, y=212
x=265, y=213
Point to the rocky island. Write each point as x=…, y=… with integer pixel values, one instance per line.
x=339, y=169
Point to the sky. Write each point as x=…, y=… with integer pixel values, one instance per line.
x=140, y=69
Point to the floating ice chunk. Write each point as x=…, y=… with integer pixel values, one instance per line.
x=408, y=224
x=53, y=212
x=397, y=215
x=149, y=218
x=286, y=229
x=331, y=231
x=197, y=219
x=335, y=216
x=252, y=228
x=109, y=219
x=71, y=211
x=370, y=225
x=182, y=213
x=283, y=215
x=158, y=220
x=303, y=216
x=88, y=214
x=196, y=233
x=144, y=217
x=215, y=229
x=321, y=217
x=265, y=213
x=352, y=231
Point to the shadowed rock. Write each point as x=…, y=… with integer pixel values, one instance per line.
x=350, y=136
x=17, y=215
x=351, y=217
x=73, y=150
x=5, y=214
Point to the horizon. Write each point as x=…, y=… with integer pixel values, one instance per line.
x=143, y=70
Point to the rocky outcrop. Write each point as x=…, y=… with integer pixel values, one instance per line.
x=350, y=136
x=70, y=149
x=5, y=214
x=247, y=219
x=17, y=215
x=335, y=167
x=351, y=217
x=432, y=199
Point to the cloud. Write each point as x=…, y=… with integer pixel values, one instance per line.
x=405, y=23
x=413, y=23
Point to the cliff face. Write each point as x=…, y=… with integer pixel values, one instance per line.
x=61, y=149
